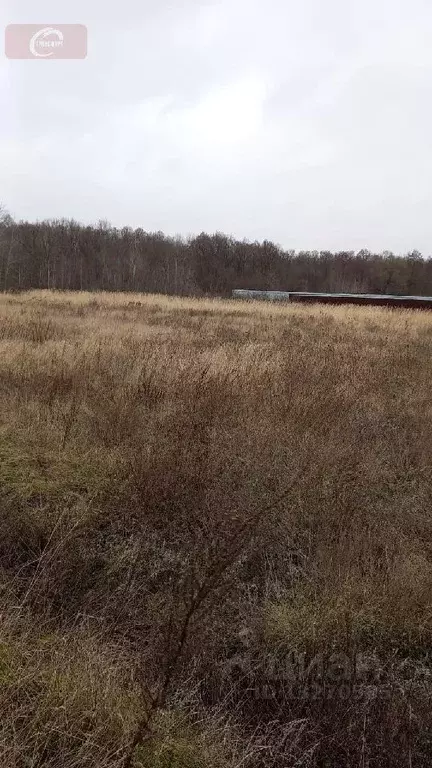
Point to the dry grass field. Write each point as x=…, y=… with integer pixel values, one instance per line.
x=215, y=534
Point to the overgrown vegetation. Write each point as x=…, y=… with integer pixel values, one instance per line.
x=215, y=534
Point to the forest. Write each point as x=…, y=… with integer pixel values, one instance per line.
x=66, y=255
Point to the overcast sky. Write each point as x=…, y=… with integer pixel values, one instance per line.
x=306, y=122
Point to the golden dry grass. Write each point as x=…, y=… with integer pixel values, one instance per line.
x=139, y=436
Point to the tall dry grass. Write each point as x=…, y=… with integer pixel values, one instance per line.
x=193, y=494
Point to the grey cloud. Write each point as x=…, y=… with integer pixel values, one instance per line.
x=307, y=123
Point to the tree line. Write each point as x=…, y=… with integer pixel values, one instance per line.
x=66, y=255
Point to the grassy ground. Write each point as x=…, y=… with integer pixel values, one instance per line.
x=215, y=534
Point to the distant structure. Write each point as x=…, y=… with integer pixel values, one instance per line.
x=262, y=295
x=369, y=299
